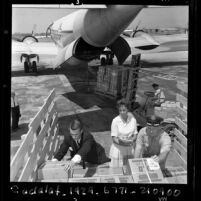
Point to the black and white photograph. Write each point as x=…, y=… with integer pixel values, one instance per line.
x=99, y=93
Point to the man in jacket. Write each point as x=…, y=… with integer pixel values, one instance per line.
x=82, y=146
x=15, y=112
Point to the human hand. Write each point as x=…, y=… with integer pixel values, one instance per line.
x=54, y=160
x=126, y=142
x=155, y=158
x=69, y=166
x=133, y=137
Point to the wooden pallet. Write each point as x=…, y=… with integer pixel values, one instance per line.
x=53, y=171
x=131, y=94
x=182, y=112
x=180, y=144
x=182, y=125
x=135, y=60
x=180, y=140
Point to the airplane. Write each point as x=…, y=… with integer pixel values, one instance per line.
x=86, y=34
x=26, y=50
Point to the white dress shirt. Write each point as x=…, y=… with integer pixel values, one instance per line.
x=122, y=129
x=77, y=158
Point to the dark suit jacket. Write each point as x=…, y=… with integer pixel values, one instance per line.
x=89, y=150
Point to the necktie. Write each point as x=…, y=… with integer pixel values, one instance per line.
x=78, y=144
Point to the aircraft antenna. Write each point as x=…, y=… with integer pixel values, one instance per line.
x=136, y=29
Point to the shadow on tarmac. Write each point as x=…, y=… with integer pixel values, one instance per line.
x=23, y=129
x=146, y=64
x=95, y=121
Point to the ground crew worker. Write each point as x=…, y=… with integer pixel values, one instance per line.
x=153, y=142
x=159, y=96
x=15, y=112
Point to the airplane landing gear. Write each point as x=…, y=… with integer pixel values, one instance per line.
x=28, y=65
x=34, y=67
x=110, y=61
x=103, y=61
x=106, y=58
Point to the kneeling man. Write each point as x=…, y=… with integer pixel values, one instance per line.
x=82, y=146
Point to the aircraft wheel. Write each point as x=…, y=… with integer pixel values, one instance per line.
x=34, y=67
x=26, y=67
x=103, y=61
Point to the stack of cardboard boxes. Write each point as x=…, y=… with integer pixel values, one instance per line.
x=116, y=80
x=138, y=171
x=142, y=173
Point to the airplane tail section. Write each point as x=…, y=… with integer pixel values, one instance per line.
x=33, y=33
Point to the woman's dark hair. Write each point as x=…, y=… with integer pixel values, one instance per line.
x=122, y=102
x=76, y=123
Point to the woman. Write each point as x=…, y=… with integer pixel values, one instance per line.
x=124, y=133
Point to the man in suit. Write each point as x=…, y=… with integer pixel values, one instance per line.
x=82, y=146
x=15, y=112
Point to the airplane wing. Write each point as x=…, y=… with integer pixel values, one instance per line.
x=140, y=36
x=40, y=52
x=40, y=48
x=163, y=43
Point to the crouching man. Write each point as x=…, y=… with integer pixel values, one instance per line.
x=81, y=145
x=153, y=142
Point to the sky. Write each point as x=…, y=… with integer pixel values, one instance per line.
x=24, y=19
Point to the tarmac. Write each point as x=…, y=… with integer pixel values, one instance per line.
x=75, y=93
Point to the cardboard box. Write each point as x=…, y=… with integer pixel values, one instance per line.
x=109, y=179
x=109, y=171
x=141, y=178
x=141, y=172
x=54, y=180
x=159, y=181
x=77, y=173
x=154, y=174
x=136, y=166
x=85, y=180
x=147, y=178
x=125, y=179
x=176, y=171
x=97, y=171
x=53, y=170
